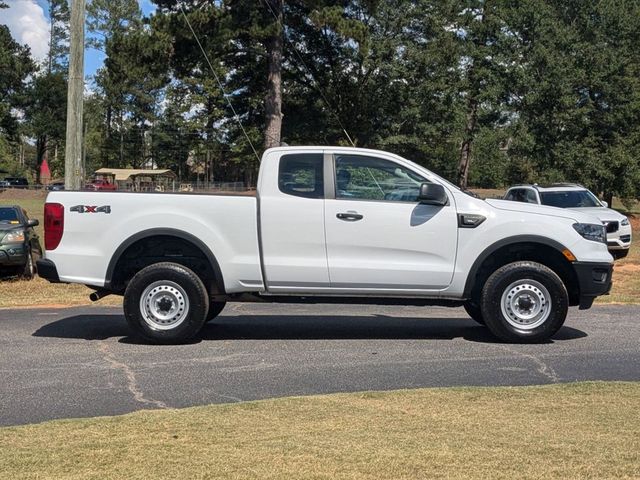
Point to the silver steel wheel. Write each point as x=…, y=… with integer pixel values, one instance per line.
x=164, y=305
x=526, y=304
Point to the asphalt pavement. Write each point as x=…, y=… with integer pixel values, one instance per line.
x=82, y=362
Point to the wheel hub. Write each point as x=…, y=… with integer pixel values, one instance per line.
x=164, y=305
x=526, y=304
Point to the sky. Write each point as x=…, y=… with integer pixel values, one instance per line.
x=28, y=21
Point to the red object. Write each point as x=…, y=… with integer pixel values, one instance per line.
x=45, y=173
x=101, y=185
x=53, y=225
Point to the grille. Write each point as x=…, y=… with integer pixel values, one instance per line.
x=611, y=226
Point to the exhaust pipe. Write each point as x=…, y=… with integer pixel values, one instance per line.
x=98, y=294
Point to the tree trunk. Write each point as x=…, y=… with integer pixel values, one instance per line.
x=465, y=150
x=41, y=152
x=608, y=197
x=121, y=155
x=273, y=100
x=109, y=143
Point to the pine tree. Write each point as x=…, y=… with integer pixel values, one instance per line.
x=16, y=66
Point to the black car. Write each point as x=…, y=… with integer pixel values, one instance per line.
x=19, y=242
x=17, y=182
x=55, y=187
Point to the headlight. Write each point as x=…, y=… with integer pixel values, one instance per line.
x=624, y=222
x=593, y=232
x=17, y=236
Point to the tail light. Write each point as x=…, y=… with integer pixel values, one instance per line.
x=53, y=225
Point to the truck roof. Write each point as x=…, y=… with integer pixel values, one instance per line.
x=328, y=147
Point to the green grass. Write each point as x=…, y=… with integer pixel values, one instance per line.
x=587, y=430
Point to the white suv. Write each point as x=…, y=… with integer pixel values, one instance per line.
x=577, y=197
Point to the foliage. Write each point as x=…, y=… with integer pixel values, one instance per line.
x=489, y=92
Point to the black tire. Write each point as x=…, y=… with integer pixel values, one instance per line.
x=171, y=289
x=523, y=286
x=29, y=270
x=618, y=254
x=215, y=308
x=474, y=312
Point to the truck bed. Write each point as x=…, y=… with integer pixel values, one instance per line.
x=97, y=223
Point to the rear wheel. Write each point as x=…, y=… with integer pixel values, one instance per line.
x=524, y=302
x=166, y=303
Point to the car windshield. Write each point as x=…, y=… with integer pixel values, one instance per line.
x=8, y=215
x=570, y=199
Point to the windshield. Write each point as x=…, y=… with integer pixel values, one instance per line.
x=431, y=174
x=570, y=199
x=8, y=215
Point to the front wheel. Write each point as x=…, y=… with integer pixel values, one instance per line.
x=166, y=303
x=524, y=302
x=474, y=312
x=619, y=254
x=29, y=270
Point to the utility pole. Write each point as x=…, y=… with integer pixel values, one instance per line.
x=73, y=168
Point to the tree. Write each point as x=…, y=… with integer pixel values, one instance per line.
x=15, y=67
x=57, y=58
x=110, y=21
x=273, y=98
x=579, y=93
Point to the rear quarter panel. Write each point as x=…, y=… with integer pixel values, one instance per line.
x=226, y=224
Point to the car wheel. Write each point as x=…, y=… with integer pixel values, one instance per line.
x=215, y=308
x=618, y=254
x=29, y=268
x=474, y=312
x=524, y=302
x=166, y=303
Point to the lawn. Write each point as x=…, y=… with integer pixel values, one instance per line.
x=581, y=430
x=626, y=277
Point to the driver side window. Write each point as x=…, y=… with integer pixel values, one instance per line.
x=360, y=177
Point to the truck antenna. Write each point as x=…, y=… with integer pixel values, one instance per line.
x=224, y=94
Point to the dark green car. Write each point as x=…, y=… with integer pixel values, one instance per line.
x=19, y=242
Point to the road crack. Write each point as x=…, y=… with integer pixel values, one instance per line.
x=543, y=368
x=132, y=383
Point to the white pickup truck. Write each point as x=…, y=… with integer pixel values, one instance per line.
x=328, y=225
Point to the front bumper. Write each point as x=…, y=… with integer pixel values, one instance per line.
x=594, y=279
x=47, y=270
x=12, y=255
x=620, y=239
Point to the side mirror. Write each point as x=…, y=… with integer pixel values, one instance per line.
x=604, y=204
x=432, y=194
x=33, y=223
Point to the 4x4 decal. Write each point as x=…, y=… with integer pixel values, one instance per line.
x=91, y=209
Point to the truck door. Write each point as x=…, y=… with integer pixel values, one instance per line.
x=292, y=223
x=379, y=236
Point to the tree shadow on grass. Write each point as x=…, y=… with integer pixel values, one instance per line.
x=293, y=327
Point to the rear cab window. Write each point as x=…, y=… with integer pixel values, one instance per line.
x=302, y=175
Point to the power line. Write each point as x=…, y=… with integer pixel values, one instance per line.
x=293, y=47
x=224, y=94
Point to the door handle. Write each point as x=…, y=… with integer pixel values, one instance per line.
x=349, y=216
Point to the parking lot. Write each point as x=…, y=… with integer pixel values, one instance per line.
x=80, y=362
